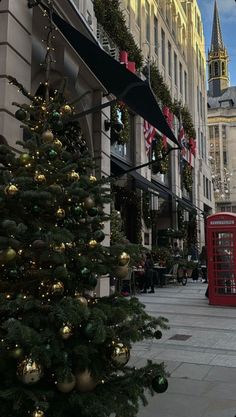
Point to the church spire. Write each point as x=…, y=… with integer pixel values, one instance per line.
x=218, y=77
x=216, y=37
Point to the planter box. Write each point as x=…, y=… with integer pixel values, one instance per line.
x=102, y=288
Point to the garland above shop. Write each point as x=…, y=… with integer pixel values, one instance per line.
x=111, y=17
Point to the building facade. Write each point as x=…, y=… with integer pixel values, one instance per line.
x=170, y=35
x=221, y=121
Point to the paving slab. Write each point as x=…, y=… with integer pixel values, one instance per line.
x=202, y=367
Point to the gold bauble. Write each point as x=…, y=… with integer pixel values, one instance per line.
x=29, y=371
x=47, y=136
x=85, y=381
x=120, y=354
x=60, y=213
x=11, y=189
x=92, y=178
x=73, y=176
x=92, y=243
x=38, y=413
x=59, y=248
x=58, y=143
x=8, y=255
x=123, y=259
x=67, y=385
x=57, y=288
x=121, y=272
x=89, y=202
x=66, y=331
x=81, y=299
x=66, y=109
x=39, y=177
x=25, y=159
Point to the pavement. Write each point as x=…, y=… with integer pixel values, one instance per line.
x=199, y=351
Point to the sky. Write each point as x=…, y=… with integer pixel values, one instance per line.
x=227, y=12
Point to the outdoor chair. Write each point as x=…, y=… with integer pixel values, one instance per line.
x=171, y=277
x=129, y=280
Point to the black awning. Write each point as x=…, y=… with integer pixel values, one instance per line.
x=118, y=168
x=119, y=81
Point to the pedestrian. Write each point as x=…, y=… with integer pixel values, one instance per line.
x=149, y=272
x=203, y=263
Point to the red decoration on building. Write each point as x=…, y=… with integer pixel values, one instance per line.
x=123, y=58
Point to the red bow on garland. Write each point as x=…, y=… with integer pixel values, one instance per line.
x=170, y=119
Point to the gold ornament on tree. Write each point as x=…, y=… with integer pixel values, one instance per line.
x=92, y=243
x=47, y=136
x=66, y=331
x=120, y=354
x=40, y=178
x=73, y=176
x=67, y=385
x=60, y=247
x=57, y=288
x=8, y=255
x=92, y=178
x=60, y=213
x=123, y=259
x=81, y=299
x=38, y=413
x=57, y=143
x=121, y=272
x=66, y=109
x=85, y=382
x=11, y=189
x=25, y=159
x=29, y=371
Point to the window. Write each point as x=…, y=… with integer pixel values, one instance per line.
x=204, y=185
x=225, y=159
x=210, y=70
x=185, y=87
x=200, y=98
x=156, y=35
x=216, y=69
x=175, y=69
x=169, y=59
x=147, y=13
x=163, y=49
x=223, y=69
x=137, y=12
x=202, y=146
x=180, y=78
x=223, y=132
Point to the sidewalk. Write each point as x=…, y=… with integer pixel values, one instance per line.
x=199, y=351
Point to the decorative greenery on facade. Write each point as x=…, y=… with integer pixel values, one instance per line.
x=120, y=111
x=146, y=206
x=191, y=227
x=131, y=201
x=159, y=154
x=187, y=177
x=111, y=17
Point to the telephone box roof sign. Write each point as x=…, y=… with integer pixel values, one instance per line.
x=221, y=258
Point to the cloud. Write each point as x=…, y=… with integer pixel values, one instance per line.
x=227, y=10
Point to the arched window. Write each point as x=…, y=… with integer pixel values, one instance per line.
x=223, y=68
x=210, y=70
x=216, y=66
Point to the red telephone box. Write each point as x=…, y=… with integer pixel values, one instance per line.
x=221, y=254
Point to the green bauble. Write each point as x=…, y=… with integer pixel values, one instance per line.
x=99, y=235
x=56, y=115
x=35, y=209
x=158, y=334
x=85, y=272
x=13, y=273
x=93, y=211
x=20, y=114
x=52, y=154
x=58, y=125
x=159, y=384
x=77, y=211
x=92, y=281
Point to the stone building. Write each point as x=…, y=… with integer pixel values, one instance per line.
x=221, y=121
x=169, y=34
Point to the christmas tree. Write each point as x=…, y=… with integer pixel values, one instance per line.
x=63, y=352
